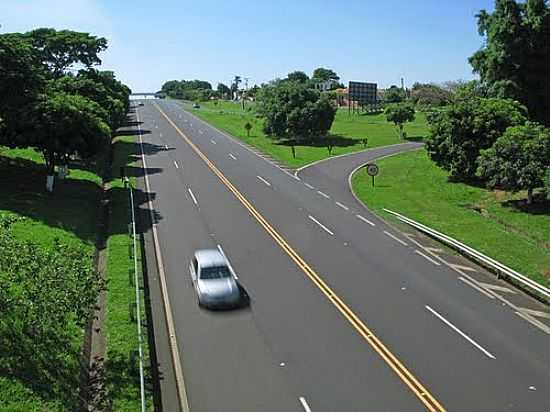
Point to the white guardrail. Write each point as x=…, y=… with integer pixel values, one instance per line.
x=138, y=305
x=501, y=270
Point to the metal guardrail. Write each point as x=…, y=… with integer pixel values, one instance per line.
x=501, y=270
x=138, y=305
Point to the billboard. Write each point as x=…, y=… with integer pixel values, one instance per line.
x=363, y=93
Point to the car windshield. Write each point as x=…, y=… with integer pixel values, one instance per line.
x=215, y=272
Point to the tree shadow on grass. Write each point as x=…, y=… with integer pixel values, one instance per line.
x=73, y=207
x=540, y=205
x=336, y=140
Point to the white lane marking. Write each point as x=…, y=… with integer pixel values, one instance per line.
x=453, y=327
x=342, y=206
x=418, y=252
x=308, y=185
x=475, y=286
x=321, y=225
x=176, y=164
x=364, y=220
x=323, y=194
x=232, y=157
x=536, y=313
x=497, y=288
x=228, y=263
x=160, y=134
x=534, y=322
x=263, y=180
x=201, y=132
x=395, y=238
x=304, y=404
x=212, y=141
x=193, y=197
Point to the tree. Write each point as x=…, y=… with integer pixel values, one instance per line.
x=518, y=160
x=428, y=95
x=224, y=91
x=298, y=76
x=64, y=125
x=399, y=114
x=22, y=80
x=248, y=128
x=515, y=59
x=322, y=75
x=294, y=112
x=547, y=183
x=461, y=131
x=394, y=95
x=59, y=50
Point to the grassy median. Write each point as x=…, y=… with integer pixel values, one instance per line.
x=122, y=338
x=347, y=132
x=496, y=223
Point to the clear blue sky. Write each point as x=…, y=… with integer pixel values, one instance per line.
x=363, y=40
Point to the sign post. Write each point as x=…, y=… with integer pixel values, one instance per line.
x=372, y=170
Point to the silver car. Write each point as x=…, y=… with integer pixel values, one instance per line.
x=214, y=279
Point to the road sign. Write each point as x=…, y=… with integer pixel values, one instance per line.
x=372, y=169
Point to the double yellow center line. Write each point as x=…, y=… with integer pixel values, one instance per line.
x=404, y=374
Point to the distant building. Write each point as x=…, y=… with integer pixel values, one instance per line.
x=326, y=85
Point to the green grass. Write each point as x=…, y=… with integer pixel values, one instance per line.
x=122, y=339
x=69, y=214
x=412, y=185
x=347, y=131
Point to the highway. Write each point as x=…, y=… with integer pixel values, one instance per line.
x=345, y=313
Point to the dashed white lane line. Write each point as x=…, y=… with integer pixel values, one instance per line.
x=342, y=206
x=263, y=180
x=394, y=238
x=232, y=157
x=176, y=164
x=213, y=141
x=365, y=220
x=323, y=194
x=418, y=252
x=308, y=185
x=228, y=263
x=326, y=229
x=453, y=327
x=304, y=404
x=201, y=132
x=193, y=197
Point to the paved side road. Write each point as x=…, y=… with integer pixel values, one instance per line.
x=319, y=269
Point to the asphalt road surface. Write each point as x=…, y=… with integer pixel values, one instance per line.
x=344, y=314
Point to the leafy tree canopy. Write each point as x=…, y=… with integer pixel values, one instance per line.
x=518, y=160
x=295, y=112
x=323, y=74
x=429, y=95
x=394, y=95
x=399, y=114
x=298, y=76
x=515, y=59
x=460, y=132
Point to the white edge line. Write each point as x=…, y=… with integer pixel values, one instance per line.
x=365, y=220
x=232, y=156
x=174, y=348
x=323, y=194
x=326, y=159
x=321, y=225
x=394, y=237
x=192, y=196
x=342, y=206
x=263, y=180
x=308, y=185
x=476, y=287
x=212, y=141
x=453, y=327
x=228, y=263
x=418, y=252
x=304, y=404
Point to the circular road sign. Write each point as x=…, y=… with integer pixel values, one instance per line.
x=372, y=169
